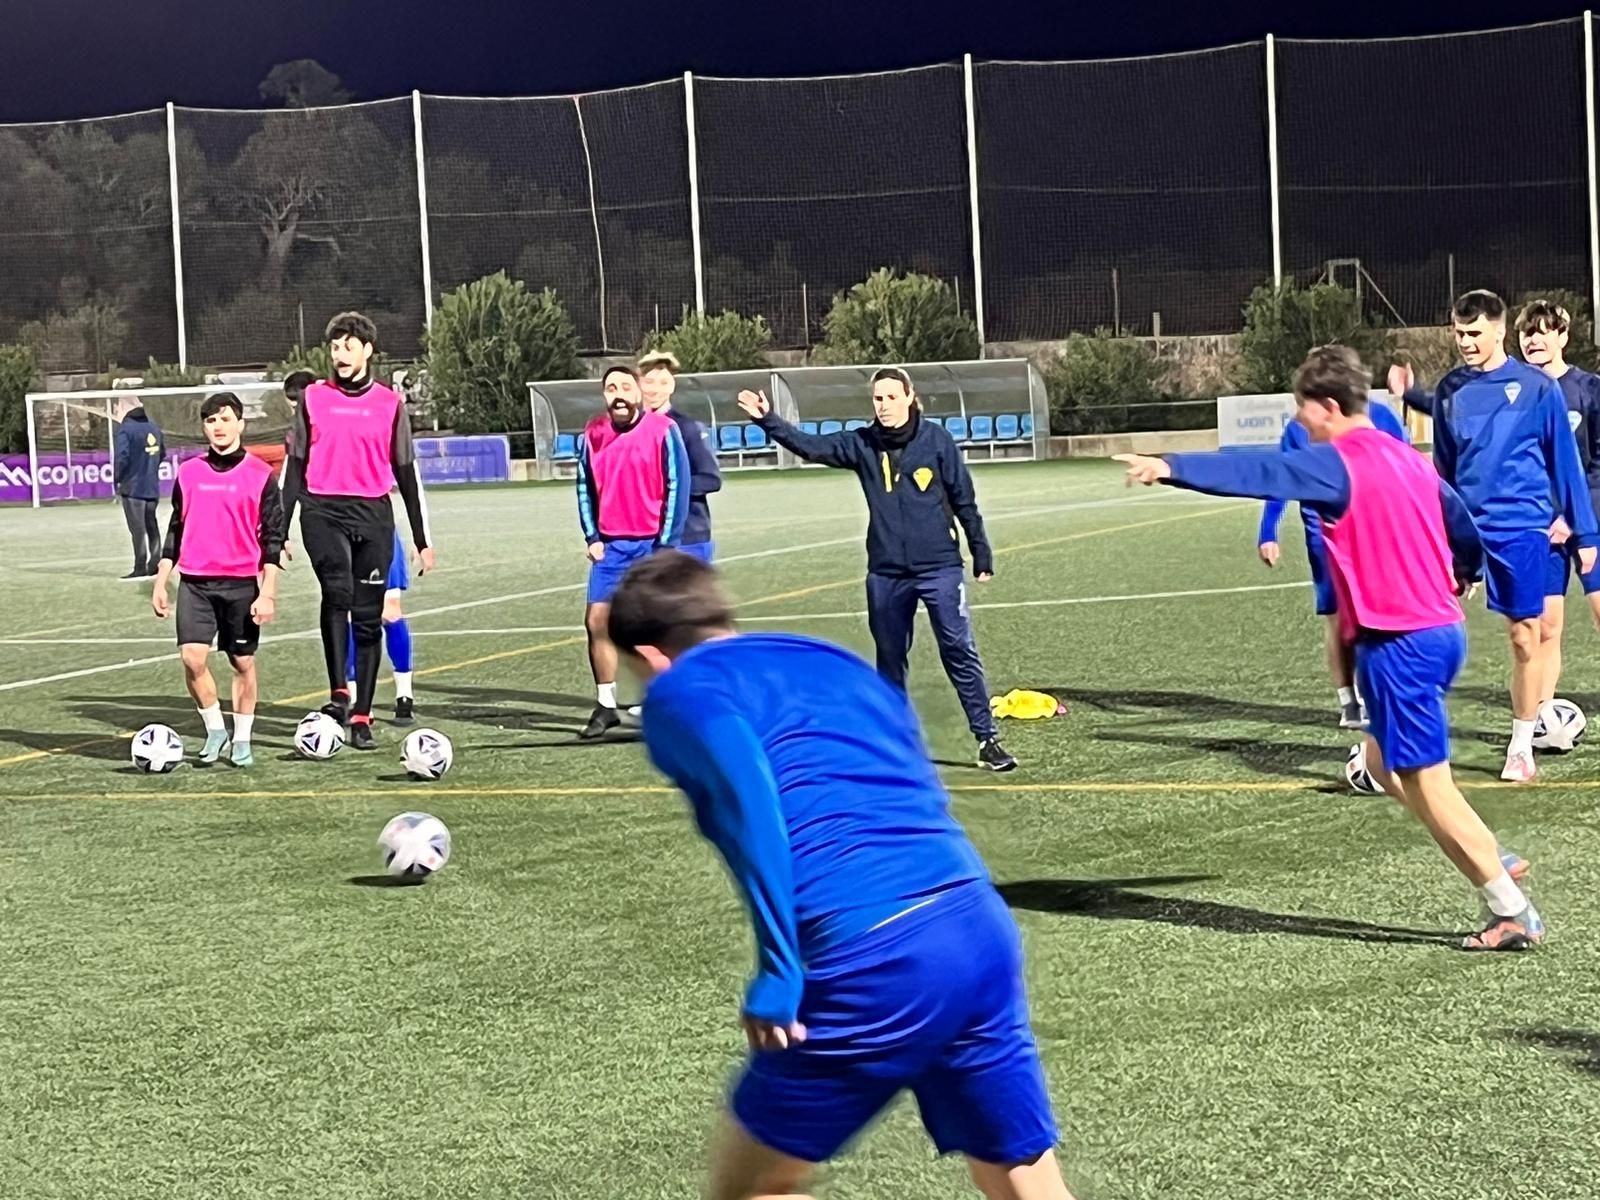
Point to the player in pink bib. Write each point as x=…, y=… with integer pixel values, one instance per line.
x=225, y=538
x=1402, y=547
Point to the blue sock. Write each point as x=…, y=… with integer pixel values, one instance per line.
x=397, y=640
x=350, y=655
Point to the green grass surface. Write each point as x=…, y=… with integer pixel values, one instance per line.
x=1234, y=966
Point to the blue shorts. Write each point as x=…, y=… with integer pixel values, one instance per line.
x=704, y=551
x=1560, y=568
x=1404, y=678
x=399, y=578
x=605, y=576
x=1322, y=582
x=1514, y=568
x=932, y=1002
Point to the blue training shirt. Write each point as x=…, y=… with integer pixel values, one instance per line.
x=1502, y=439
x=1295, y=437
x=808, y=774
x=1582, y=392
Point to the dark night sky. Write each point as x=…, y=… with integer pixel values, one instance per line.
x=75, y=58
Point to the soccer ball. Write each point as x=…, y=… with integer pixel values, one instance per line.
x=157, y=749
x=426, y=754
x=414, y=845
x=1356, y=774
x=318, y=736
x=1563, y=731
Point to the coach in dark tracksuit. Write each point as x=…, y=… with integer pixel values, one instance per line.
x=137, y=454
x=918, y=488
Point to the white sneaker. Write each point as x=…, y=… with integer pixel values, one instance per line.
x=631, y=716
x=1519, y=768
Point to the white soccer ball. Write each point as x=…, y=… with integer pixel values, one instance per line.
x=157, y=749
x=1356, y=774
x=414, y=845
x=1562, y=730
x=426, y=754
x=318, y=736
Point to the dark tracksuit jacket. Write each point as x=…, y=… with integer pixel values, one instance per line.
x=138, y=451
x=705, y=477
x=918, y=492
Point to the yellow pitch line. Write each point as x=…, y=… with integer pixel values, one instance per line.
x=1052, y=541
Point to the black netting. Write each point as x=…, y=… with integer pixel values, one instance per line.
x=508, y=190
x=86, y=242
x=1138, y=185
x=819, y=182
x=290, y=216
x=1407, y=154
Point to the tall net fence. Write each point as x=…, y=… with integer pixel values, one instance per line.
x=809, y=185
x=1438, y=164
x=288, y=217
x=1111, y=191
x=86, y=242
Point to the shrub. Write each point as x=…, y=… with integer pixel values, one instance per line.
x=895, y=318
x=725, y=342
x=18, y=376
x=1094, y=379
x=1282, y=324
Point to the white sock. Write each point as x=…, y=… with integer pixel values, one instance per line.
x=242, y=724
x=213, y=718
x=1347, y=696
x=608, y=694
x=402, y=684
x=1504, y=898
x=1521, y=737
x=350, y=687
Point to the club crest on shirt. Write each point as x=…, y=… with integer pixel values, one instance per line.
x=923, y=477
x=1513, y=390
x=1574, y=419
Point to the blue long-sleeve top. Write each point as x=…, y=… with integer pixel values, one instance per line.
x=808, y=774
x=1316, y=477
x=1582, y=392
x=705, y=476
x=1503, y=440
x=621, y=508
x=1295, y=437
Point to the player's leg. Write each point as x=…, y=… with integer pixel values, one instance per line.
x=240, y=636
x=891, y=618
x=152, y=536
x=332, y=556
x=1039, y=1179
x=370, y=565
x=397, y=642
x=945, y=595
x=133, y=517
x=1339, y=653
x=742, y=1168
x=1515, y=569
x=602, y=661
x=198, y=623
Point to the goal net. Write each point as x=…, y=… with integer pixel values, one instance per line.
x=71, y=436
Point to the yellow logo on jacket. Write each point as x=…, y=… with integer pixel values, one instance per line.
x=923, y=477
x=151, y=445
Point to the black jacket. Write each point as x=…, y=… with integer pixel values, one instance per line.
x=916, y=495
x=138, y=452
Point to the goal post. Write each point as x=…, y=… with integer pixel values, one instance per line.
x=71, y=436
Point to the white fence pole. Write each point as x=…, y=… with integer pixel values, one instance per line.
x=177, y=240
x=1594, y=196
x=694, y=193
x=33, y=449
x=1272, y=160
x=594, y=216
x=972, y=195
x=422, y=212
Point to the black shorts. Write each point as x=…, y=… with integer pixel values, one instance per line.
x=219, y=608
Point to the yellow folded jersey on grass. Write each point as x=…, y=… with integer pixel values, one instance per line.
x=1025, y=705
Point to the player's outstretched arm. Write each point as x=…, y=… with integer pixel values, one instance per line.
x=1314, y=476
x=827, y=449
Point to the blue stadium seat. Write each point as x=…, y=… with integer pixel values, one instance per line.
x=808, y=426
x=1027, y=424
x=730, y=437
x=566, y=446
x=957, y=427
x=831, y=427
x=939, y=421
x=856, y=424
x=983, y=429
x=755, y=437
x=1006, y=426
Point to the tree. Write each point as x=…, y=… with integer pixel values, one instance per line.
x=897, y=318
x=18, y=376
x=725, y=342
x=303, y=83
x=489, y=339
x=1283, y=324
x=1093, y=380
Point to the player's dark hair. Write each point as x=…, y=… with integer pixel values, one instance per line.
x=1480, y=303
x=670, y=601
x=624, y=368
x=899, y=374
x=1334, y=373
x=295, y=384
x=354, y=325
x=659, y=360
x=218, y=401
x=1543, y=316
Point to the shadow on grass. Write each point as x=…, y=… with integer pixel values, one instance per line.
x=1115, y=900
x=1195, y=706
x=385, y=881
x=98, y=747
x=1579, y=1048
x=1292, y=760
